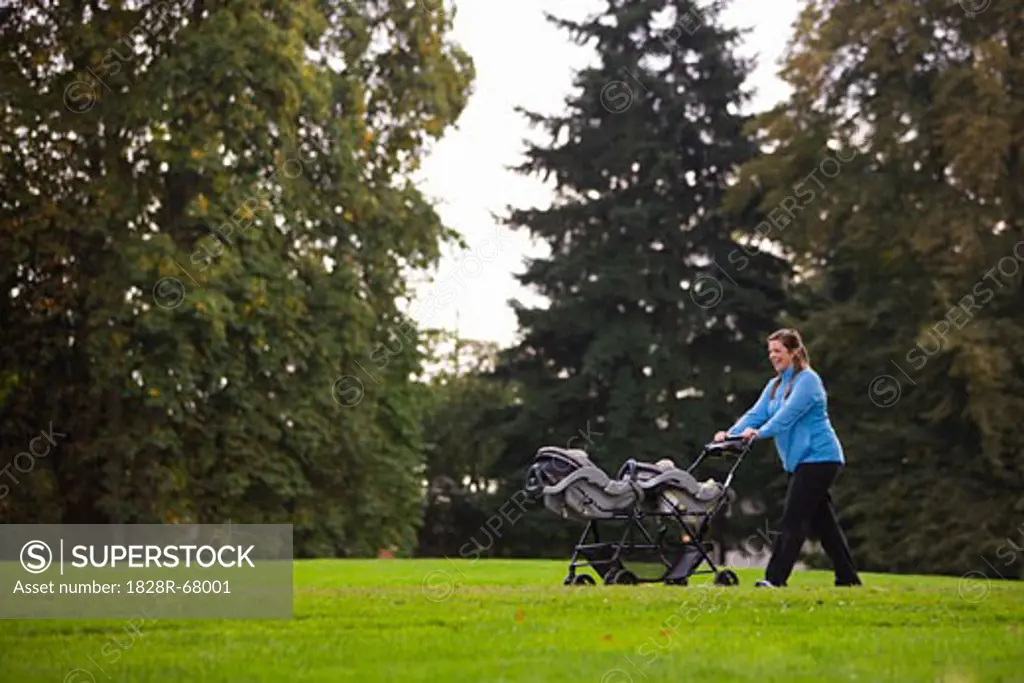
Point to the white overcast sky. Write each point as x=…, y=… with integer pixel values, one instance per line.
x=523, y=60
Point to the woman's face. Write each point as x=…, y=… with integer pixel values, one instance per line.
x=779, y=355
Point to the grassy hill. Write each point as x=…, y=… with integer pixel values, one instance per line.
x=466, y=621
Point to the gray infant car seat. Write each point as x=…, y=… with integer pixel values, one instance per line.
x=573, y=487
x=667, y=488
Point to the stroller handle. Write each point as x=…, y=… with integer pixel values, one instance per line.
x=734, y=443
x=735, y=446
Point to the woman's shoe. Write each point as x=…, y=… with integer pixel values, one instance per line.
x=765, y=583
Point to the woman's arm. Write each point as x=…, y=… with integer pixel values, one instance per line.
x=756, y=416
x=808, y=392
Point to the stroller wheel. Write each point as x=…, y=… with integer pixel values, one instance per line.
x=727, y=577
x=621, y=577
x=580, y=580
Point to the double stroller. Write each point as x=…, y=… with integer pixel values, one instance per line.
x=666, y=512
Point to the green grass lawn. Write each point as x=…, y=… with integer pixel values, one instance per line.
x=486, y=621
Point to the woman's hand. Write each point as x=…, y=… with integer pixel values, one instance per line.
x=721, y=436
x=749, y=434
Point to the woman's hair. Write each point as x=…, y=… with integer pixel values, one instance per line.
x=791, y=339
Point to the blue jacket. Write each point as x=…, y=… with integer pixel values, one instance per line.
x=800, y=424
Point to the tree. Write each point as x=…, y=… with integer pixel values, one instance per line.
x=206, y=217
x=654, y=335
x=908, y=317
x=462, y=444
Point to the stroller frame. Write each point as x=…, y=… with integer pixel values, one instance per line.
x=606, y=557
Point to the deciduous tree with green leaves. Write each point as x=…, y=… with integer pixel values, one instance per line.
x=908, y=262
x=207, y=212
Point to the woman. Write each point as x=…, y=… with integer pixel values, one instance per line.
x=793, y=410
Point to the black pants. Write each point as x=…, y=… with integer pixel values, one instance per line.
x=808, y=511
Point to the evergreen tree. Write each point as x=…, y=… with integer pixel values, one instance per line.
x=913, y=325
x=654, y=336
x=206, y=215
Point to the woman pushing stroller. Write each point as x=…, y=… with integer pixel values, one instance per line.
x=793, y=410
